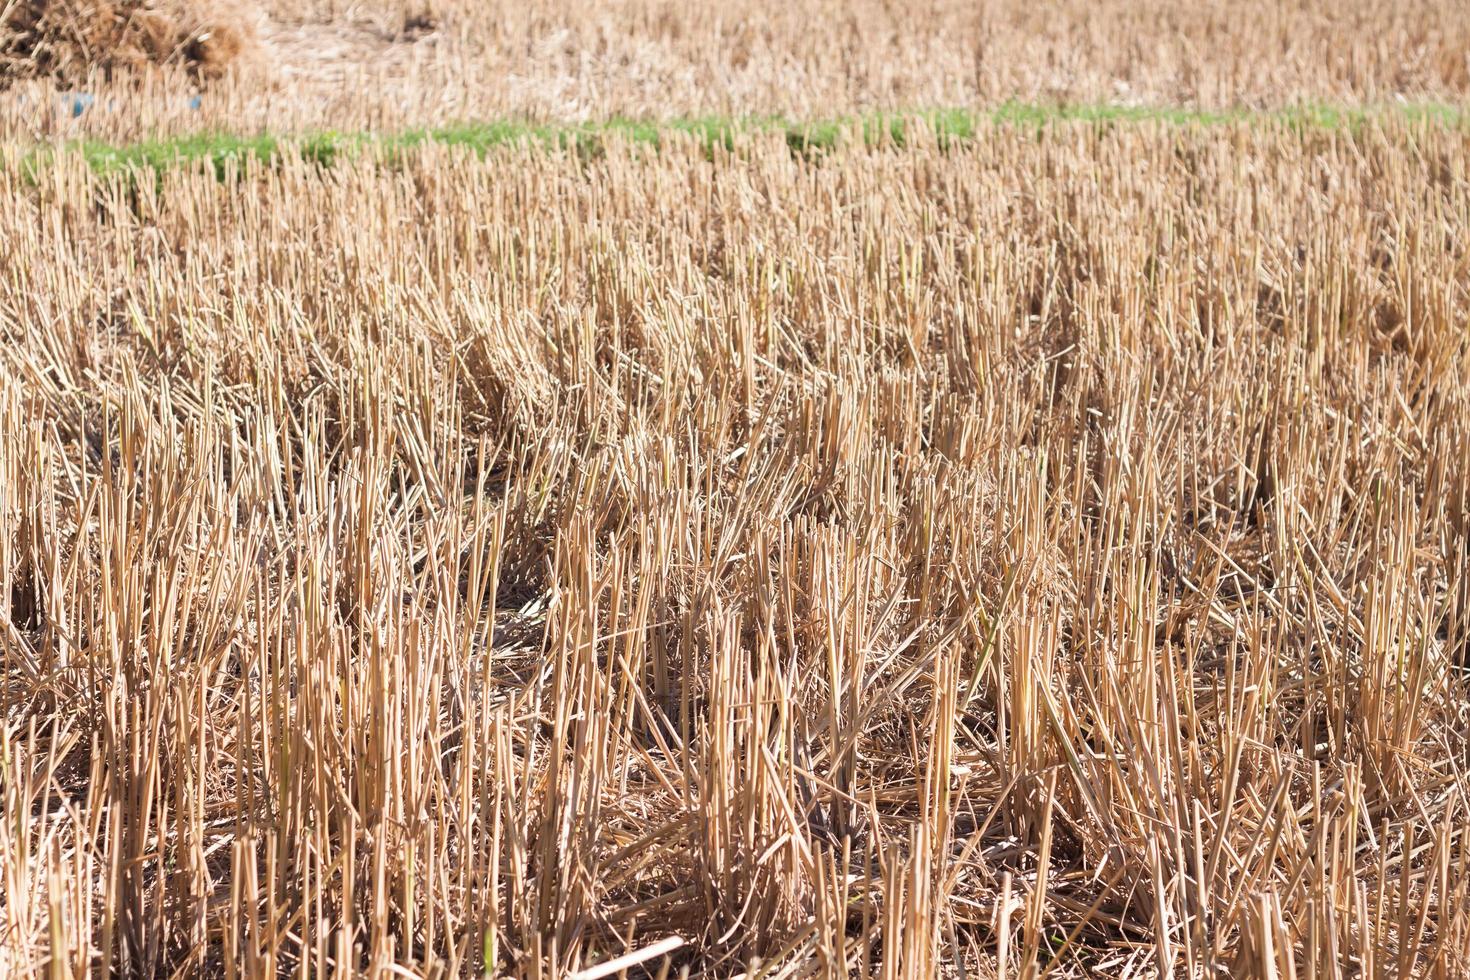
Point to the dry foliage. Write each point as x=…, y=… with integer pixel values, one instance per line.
x=78, y=41
x=1048, y=552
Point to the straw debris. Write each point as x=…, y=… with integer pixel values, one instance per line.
x=72, y=41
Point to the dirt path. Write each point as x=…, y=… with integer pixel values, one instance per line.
x=319, y=53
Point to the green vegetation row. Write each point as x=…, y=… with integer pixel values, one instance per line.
x=946, y=125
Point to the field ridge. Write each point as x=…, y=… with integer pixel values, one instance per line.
x=946, y=125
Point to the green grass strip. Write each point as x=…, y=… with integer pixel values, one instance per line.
x=224, y=149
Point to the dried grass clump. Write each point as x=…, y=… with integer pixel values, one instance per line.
x=1036, y=556
x=77, y=40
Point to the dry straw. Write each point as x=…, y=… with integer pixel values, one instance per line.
x=1041, y=554
x=88, y=41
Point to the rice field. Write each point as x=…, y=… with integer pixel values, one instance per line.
x=312, y=65
x=657, y=490
x=1037, y=554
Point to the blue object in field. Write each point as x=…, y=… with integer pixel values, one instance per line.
x=77, y=103
x=74, y=104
